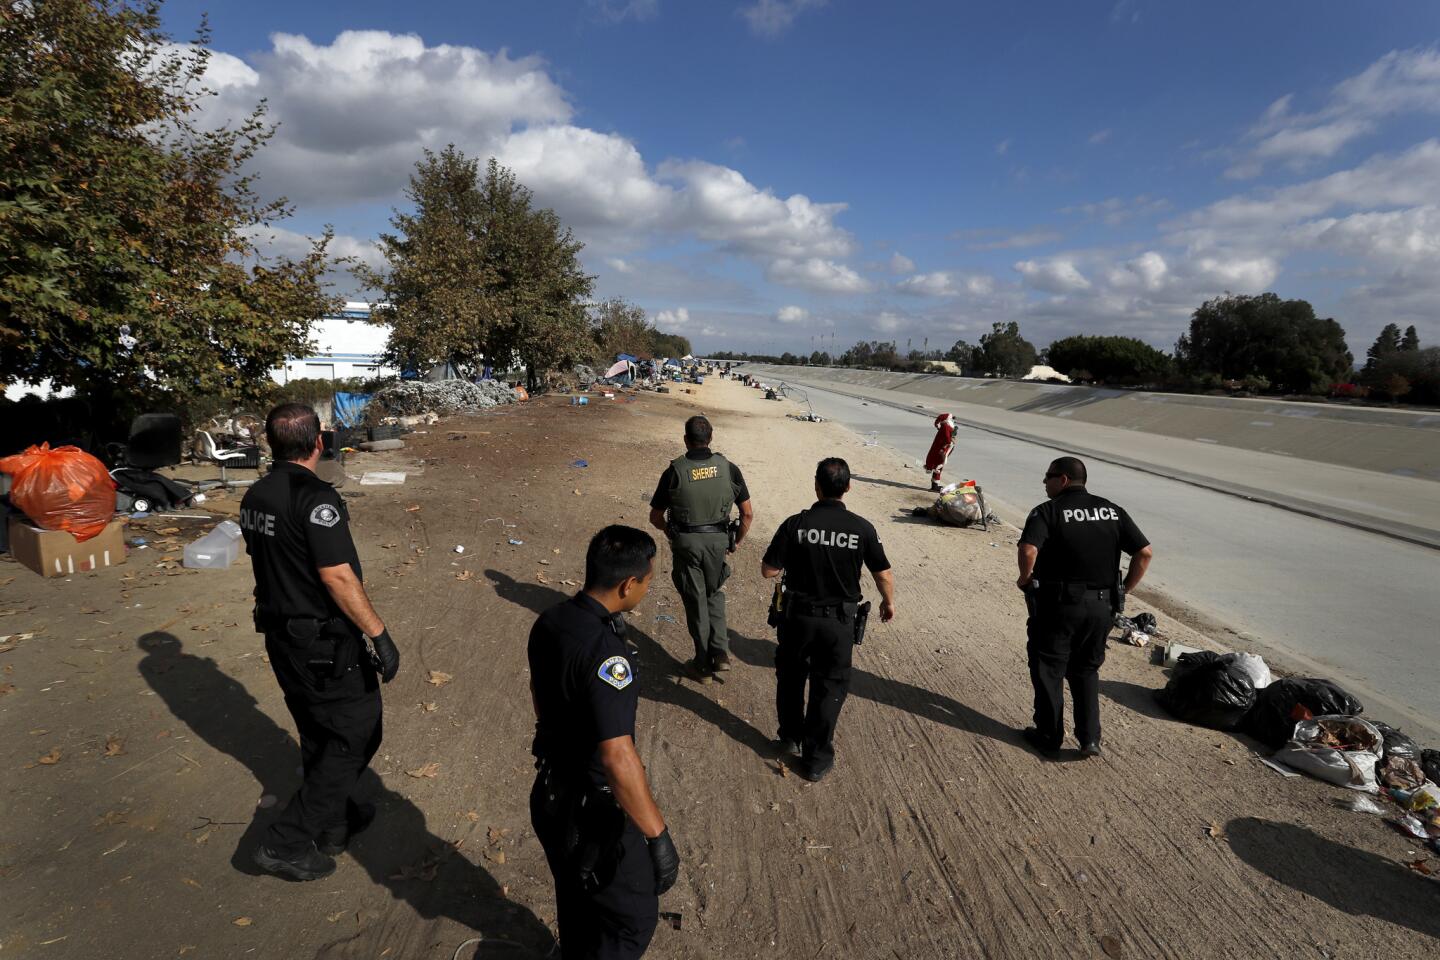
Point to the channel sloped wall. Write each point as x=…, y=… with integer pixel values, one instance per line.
x=1398, y=442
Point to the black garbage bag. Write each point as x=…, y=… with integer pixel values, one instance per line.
x=1286, y=702
x=1208, y=690
x=1146, y=623
x=1430, y=763
x=1397, y=744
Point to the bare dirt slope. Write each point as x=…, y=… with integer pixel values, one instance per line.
x=938, y=835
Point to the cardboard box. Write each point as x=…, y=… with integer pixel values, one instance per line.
x=55, y=553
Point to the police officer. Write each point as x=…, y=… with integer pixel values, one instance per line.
x=1069, y=560
x=821, y=551
x=697, y=489
x=310, y=603
x=607, y=845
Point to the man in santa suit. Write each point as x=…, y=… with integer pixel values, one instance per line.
x=940, y=448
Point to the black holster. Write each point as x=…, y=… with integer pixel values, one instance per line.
x=331, y=647
x=862, y=616
x=732, y=529
x=594, y=824
x=777, y=605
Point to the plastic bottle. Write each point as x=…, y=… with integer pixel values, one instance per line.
x=217, y=549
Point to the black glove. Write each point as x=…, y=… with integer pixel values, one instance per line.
x=386, y=657
x=665, y=860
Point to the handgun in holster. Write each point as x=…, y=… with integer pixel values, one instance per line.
x=777, y=605
x=1032, y=597
x=595, y=828
x=330, y=646
x=1117, y=598
x=732, y=529
x=862, y=615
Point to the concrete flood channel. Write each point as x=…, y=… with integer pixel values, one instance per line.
x=1300, y=580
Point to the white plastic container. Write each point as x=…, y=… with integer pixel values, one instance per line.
x=217, y=549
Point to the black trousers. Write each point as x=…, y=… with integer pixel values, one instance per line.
x=614, y=922
x=817, y=649
x=339, y=725
x=1067, y=643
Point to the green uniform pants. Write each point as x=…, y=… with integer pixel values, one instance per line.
x=699, y=574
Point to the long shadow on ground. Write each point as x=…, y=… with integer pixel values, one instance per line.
x=892, y=693
x=399, y=852
x=1352, y=881
x=663, y=678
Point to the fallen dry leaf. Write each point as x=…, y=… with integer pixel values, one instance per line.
x=242, y=921
x=1420, y=866
x=570, y=583
x=464, y=575
x=189, y=882
x=6, y=688
x=473, y=817
x=412, y=509
x=335, y=917
x=438, y=678
x=1111, y=946
x=114, y=746
x=167, y=531
x=427, y=772
x=51, y=758
x=1215, y=832
x=541, y=577
x=497, y=857
x=429, y=706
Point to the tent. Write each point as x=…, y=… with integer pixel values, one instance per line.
x=619, y=369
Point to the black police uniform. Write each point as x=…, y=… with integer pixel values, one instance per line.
x=699, y=569
x=1073, y=601
x=295, y=523
x=822, y=551
x=585, y=687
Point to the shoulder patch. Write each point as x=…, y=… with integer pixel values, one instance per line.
x=325, y=515
x=616, y=672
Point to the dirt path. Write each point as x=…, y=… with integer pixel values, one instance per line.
x=938, y=835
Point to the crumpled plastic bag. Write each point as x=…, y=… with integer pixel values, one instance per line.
x=1339, y=750
x=1287, y=701
x=1255, y=668
x=63, y=488
x=1208, y=689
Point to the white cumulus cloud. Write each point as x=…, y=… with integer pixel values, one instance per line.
x=1055, y=275
x=792, y=314
x=818, y=274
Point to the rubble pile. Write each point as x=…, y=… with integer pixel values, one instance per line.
x=412, y=397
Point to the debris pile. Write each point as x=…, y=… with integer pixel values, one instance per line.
x=412, y=397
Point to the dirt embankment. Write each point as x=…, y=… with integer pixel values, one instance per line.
x=938, y=835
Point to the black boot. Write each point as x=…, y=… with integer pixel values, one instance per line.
x=334, y=840
x=310, y=865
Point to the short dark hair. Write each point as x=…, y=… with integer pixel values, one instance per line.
x=832, y=475
x=698, y=431
x=1072, y=467
x=616, y=554
x=292, y=429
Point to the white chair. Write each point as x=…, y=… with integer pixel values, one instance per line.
x=209, y=450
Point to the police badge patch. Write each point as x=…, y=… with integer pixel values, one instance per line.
x=325, y=515
x=616, y=672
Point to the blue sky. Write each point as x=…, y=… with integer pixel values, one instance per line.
x=764, y=174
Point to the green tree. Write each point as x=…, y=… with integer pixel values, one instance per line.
x=477, y=271
x=1264, y=338
x=1411, y=341
x=1108, y=359
x=1387, y=343
x=1003, y=351
x=622, y=327
x=819, y=358
x=671, y=345
x=127, y=260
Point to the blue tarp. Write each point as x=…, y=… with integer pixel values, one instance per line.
x=349, y=408
x=626, y=356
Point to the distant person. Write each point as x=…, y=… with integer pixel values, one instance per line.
x=607, y=845
x=940, y=448
x=310, y=603
x=1069, y=558
x=821, y=552
x=691, y=506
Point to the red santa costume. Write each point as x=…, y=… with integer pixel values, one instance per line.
x=940, y=448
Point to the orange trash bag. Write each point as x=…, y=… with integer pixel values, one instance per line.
x=62, y=489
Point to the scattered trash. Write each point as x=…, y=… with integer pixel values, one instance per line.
x=1287, y=774
x=217, y=549
x=516, y=543
x=402, y=397
x=438, y=678
x=1174, y=651
x=579, y=463
x=579, y=401
x=1340, y=749
x=1284, y=703
x=1362, y=804
x=380, y=446
x=377, y=478
x=1409, y=825
x=1254, y=667
x=428, y=772
x=674, y=919
x=1430, y=763
x=459, y=548
x=1208, y=689
x=665, y=618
